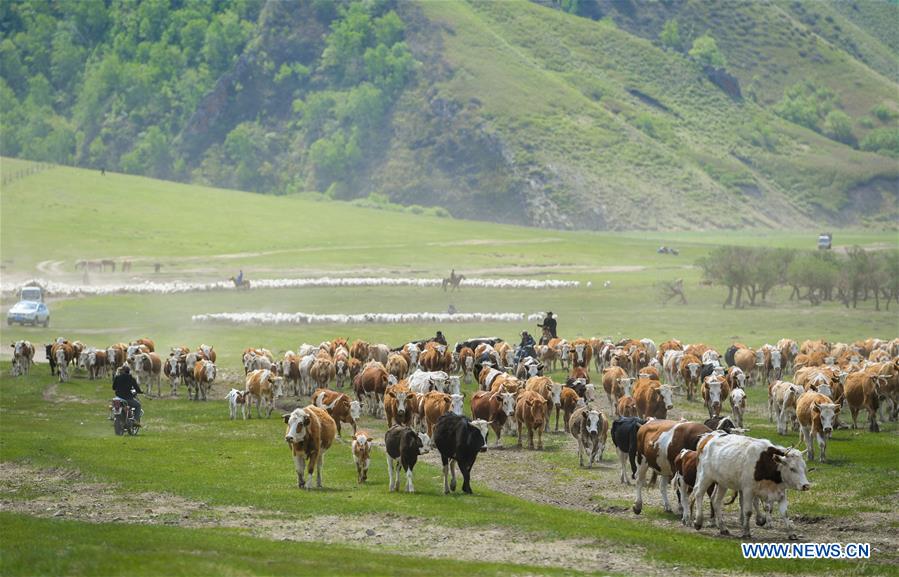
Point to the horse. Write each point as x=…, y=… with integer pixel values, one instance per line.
x=454, y=281
x=242, y=284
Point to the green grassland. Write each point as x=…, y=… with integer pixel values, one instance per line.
x=194, y=452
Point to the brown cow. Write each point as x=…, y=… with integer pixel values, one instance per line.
x=863, y=392
x=580, y=354
x=370, y=386
x=658, y=444
x=63, y=354
x=817, y=415
x=568, y=401
x=397, y=366
x=151, y=346
x=495, y=407
x=690, y=367
x=322, y=371
x=531, y=412
x=653, y=398
x=714, y=391
x=204, y=374
x=339, y=405
x=590, y=428
x=399, y=405
x=626, y=407
x=361, y=454
x=611, y=377
x=359, y=350
x=147, y=369
x=261, y=384
x=434, y=405
x=310, y=432
x=290, y=370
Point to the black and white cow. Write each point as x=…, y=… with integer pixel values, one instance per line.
x=403, y=445
x=459, y=440
x=624, y=437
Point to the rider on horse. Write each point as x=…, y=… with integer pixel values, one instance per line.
x=549, y=328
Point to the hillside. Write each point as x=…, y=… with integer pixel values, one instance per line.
x=515, y=112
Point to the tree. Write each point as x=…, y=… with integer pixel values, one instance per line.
x=838, y=126
x=670, y=36
x=705, y=51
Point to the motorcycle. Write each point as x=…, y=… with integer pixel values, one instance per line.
x=123, y=418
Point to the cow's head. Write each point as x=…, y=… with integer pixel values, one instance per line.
x=667, y=393
x=355, y=410
x=277, y=384
x=589, y=392
x=792, y=469
x=456, y=403
x=400, y=397
x=83, y=360
x=455, y=385
x=579, y=351
x=738, y=399
x=565, y=347
x=297, y=425
x=236, y=397
x=827, y=413
x=556, y=394
x=694, y=369
x=775, y=358
x=738, y=375
x=825, y=389
x=209, y=371
x=60, y=355
x=592, y=421
x=469, y=362
x=425, y=441
x=483, y=428
x=714, y=390
x=508, y=403
x=361, y=447
x=626, y=383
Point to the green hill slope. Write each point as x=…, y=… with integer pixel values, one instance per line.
x=514, y=112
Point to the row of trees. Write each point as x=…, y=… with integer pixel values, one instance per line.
x=750, y=273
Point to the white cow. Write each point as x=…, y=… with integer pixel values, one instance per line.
x=756, y=468
x=422, y=382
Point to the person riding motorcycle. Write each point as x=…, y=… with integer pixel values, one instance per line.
x=126, y=388
x=525, y=347
x=549, y=328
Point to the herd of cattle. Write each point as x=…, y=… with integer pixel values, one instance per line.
x=417, y=388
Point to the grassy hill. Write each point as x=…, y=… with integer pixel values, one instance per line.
x=514, y=112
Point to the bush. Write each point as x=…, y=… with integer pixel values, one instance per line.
x=838, y=126
x=705, y=51
x=883, y=140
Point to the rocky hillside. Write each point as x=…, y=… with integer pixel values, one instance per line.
x=597, y=114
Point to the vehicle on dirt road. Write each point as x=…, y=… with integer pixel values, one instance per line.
x=30, y=309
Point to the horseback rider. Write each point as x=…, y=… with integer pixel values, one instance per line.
x=525, y=347
x=439, y=338
x=239, y=279
x=549, y=328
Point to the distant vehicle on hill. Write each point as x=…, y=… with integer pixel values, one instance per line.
x=825, y=240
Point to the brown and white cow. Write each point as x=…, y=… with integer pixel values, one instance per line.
x=531, y=412
x=96, y=363
x=147, y=369
x=612, y=376
x=261, y=385
x=626, y=407
x=361, y=447
x=590, y=428
x=817, y=415
x=63, y=354
x=466, y=364
x=714, y=391
x=690, y=367
x=290, y=371
x=580, y=354
x=204, y=373
x=433, y=406
x=370, y=386
x=310, y=432
x=782, y=397
x=23, y=357
x=399, y=405
x=737, y=400
x=360, y=350
x=341, y=408
x=653, y=399
x=495, y=407
x=397, y=366
x=322, y=371
x=658, y=443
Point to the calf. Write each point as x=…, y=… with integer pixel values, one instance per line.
x=626, y=407
x=495, y=407
x=459, y=440
x=568, y=402
x=23, y=357
x=756, y=468
x=235, y=398
x=530, y=412
x=310, y=432
x=403, y=446
x=624, y=437
x=817, y=415
x=590, y=428
x=361, y=454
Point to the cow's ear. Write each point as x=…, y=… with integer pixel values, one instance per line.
x=836, y=410
x=286, y=417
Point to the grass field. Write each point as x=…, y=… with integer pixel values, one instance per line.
x=235, y=479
